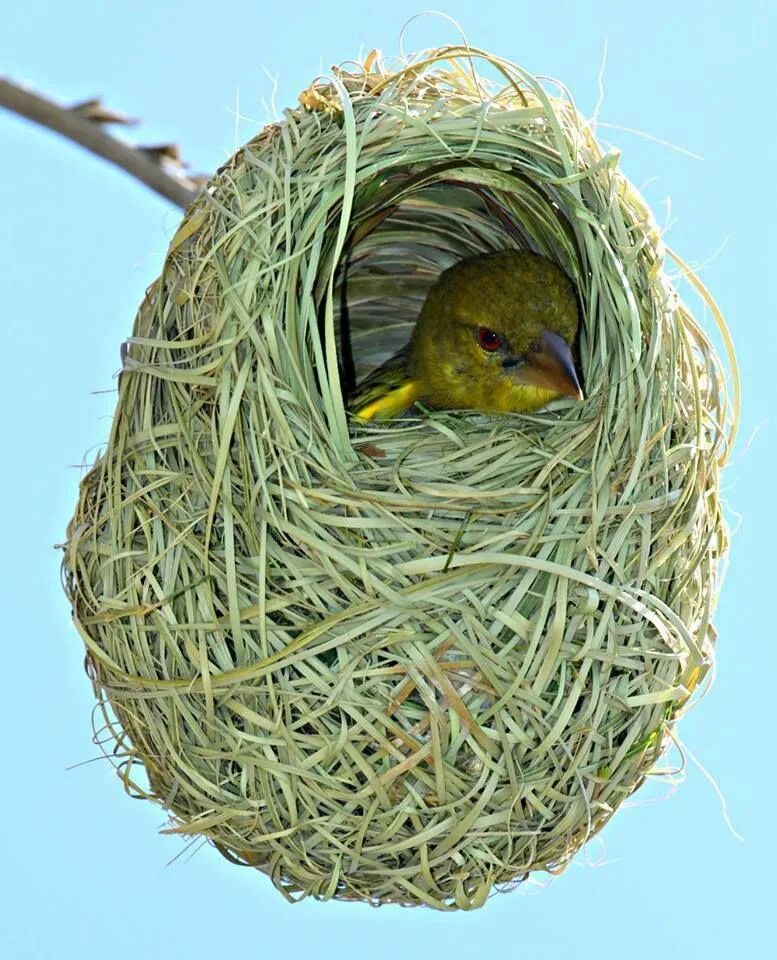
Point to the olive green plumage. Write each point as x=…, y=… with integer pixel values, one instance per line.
x=494, y=334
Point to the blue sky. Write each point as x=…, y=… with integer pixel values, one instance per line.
x=84, y=871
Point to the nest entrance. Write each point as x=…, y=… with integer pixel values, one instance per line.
x=414, y=676
x=423, y=223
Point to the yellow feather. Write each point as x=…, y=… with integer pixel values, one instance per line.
x=390, y=403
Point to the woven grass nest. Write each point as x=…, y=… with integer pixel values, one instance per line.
x=408, y=662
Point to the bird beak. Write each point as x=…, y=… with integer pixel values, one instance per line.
x=550, y=365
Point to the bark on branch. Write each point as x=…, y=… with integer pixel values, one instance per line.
x=84, y=124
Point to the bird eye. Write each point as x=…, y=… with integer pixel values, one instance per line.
x=489, y=339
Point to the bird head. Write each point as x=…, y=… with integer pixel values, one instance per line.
x=495, y=334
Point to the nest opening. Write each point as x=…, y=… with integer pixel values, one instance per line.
x=386, y=269
x=407, y=662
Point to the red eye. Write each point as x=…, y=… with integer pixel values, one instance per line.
x=488, y=339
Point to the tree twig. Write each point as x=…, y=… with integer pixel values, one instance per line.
x=84, y=123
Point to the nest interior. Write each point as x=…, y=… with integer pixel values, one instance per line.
x=415, y=661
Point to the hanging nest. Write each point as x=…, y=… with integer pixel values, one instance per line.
x=415, y=661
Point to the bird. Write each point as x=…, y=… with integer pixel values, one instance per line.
x=494, y=335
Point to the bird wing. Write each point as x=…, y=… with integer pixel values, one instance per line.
x=387, y=392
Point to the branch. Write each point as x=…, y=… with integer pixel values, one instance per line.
x=84, y=124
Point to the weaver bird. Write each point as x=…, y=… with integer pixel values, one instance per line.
x=494, y=334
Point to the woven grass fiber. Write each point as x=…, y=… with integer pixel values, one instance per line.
x=408, y=662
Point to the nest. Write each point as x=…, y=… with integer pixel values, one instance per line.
x=409, y=662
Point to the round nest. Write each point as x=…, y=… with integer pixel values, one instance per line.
x=405, y=662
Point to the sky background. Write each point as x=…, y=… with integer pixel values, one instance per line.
x=83, y=870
